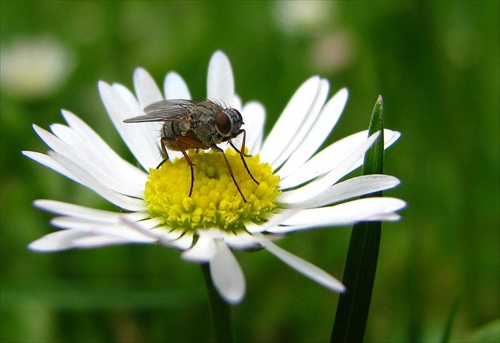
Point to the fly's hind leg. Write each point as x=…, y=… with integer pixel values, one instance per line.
x=182, y=147
x=163, y=143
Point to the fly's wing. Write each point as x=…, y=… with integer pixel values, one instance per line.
x=166, y=110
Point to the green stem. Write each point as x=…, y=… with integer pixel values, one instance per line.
x=362, y=256
x=220, y=310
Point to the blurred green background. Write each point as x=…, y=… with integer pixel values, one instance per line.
x=436, y=65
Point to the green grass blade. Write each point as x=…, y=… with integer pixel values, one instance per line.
x=361, y=263
x=445, y=338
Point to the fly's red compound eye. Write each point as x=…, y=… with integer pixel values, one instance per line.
x=223, y=123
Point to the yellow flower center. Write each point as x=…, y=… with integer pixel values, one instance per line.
x=215, y=200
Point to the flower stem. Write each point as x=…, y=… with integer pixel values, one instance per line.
x=220, y=310
x=362, y=256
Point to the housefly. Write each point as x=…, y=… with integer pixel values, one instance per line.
x=190, y=124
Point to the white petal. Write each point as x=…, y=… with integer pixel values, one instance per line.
x=145, y=221
x=203, y=251
x=88, y=157
x=172, y=238
x=161, y=231
x=297, y=138
x=165, y=236
x=50, y=163
x=366, y=209
x=317, y=134
x=227, y=275
x=390, y=137
x=77, y=211
x=146, y=89
x=325, y=160
x=387, y=217
x=127, y=170
x=117, y=229
x=213, y=233
x=291, y=121
x=55, y=241
x=272, y=221
x=139, y=137
x=52, y=142
x=70, y=239
x=330, y=157
x=240, y=240
x=254, y=116
x=183, y=242
x=149, y=132
x=349, y=189
x=311, y=271
x=175, y=87
x=120, y=200
x=98, y=241
x=319, y=185
x=237, y=103
x=220, y=81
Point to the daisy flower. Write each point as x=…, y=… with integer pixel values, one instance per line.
x=297, y=189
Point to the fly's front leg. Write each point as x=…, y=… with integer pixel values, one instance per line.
x=216, y=148
x=242, y=153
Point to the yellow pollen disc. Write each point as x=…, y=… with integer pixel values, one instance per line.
x=215, y=200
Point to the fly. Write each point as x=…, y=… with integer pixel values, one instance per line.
x=190, y=124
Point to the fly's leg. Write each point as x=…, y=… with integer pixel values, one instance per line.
x=181, y=147
x=163, y=143
x=216, y=148
x=242, y=154
x=191, y=164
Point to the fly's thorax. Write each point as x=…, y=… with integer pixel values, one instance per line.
x=204, y=129
x=206, y=132
x=205, y=111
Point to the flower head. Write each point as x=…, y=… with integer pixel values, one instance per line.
x=294, y=189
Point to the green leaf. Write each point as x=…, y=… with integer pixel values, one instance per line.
x=220, y=311
x=362, y=256
x=449, y=322
x=490, y=332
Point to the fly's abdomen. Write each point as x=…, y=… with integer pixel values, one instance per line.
x=172, y=129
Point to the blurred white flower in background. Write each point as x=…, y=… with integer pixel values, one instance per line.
x=333, y=52
x=330, y=47
x=304, y=16
x=34, y=68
